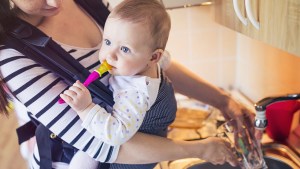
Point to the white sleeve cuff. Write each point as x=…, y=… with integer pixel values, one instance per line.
x=89, y=117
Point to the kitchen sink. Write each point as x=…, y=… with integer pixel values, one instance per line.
x=277, y=156
x=272, y=163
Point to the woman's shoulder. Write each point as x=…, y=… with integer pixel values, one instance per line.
x=13, y=59
x=8, y=52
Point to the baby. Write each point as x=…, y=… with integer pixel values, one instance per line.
x=134, y=39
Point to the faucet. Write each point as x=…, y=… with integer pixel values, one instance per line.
x=261, y=121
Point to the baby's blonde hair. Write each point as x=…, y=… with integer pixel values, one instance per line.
x=149, y=12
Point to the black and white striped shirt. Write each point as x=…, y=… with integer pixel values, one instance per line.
x=38, y=89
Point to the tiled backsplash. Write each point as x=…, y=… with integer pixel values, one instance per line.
x=264, y=71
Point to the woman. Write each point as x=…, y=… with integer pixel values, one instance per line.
x=38, y=88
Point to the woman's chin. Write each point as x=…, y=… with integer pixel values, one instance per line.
x=51, y=12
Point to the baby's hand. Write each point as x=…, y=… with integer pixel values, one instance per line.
x=77, y=96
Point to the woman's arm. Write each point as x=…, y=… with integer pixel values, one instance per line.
x=145, y=148
x=191, y=85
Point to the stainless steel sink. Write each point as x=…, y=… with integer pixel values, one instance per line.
x=272, y=163
x=282, y=153
x=277, y=156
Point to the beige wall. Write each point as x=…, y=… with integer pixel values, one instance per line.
x=263, y=70
x=201, y=44
x=229, y=59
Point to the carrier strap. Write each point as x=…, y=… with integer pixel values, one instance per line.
x=44, y=144
x=39, y=47
x=24, y=132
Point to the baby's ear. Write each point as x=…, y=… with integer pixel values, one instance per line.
x=156, y=55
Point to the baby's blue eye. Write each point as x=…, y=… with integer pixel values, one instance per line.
x=125, y=49
x=107, y=42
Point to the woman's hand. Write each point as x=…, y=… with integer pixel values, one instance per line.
x=244, y=120
x=78, y=97
x=216, y=151
x=243, y=116
x=237, y=111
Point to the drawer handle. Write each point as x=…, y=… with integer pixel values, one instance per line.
x=238, y=12
x=250, y=14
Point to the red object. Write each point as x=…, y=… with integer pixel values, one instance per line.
x=61, y=101
x=92, y=77
x=280, y=116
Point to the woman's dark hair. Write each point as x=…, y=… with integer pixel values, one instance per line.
x=4, y=103
x=7, y=16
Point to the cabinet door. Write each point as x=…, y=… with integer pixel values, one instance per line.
x=226, y=16
x=279, y=21
x=280, y=24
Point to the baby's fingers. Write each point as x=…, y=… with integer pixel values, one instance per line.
x=66, y=98
x=72, y=93
x=79, y=85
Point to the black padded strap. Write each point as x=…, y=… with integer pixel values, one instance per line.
x=25, y=132
x=35, y=44
x=44, y=144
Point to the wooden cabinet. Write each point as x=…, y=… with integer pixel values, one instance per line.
x=279, y=21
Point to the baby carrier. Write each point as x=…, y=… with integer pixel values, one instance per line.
x=39, y=47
